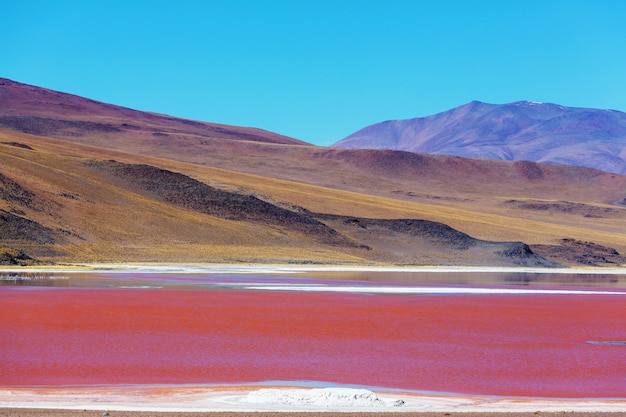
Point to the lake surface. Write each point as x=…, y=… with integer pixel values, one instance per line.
x=491, y=333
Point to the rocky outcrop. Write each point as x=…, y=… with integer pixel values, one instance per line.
x=9, y=256
x=435, y=232
x=184, y=191
x=521, y=254
x=17, y=228
x=582, y=253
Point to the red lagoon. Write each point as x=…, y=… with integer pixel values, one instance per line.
x=520, y=345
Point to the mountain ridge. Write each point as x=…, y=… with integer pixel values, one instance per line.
x=16, y=99
x=523, y=130
x=96, y=186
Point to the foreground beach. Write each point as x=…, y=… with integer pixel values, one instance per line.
x=13, y=412
x=245, y=400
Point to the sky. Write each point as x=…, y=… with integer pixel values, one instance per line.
x=318, y=70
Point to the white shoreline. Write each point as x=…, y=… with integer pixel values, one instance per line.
x=416, y=290
x=172, y=268
x=233, y=399
x=405, y=289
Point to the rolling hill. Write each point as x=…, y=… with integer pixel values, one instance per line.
x=44, y=112
x=82, y=181
x=524, y=130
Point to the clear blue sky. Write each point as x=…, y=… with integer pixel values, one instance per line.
x=318, y=70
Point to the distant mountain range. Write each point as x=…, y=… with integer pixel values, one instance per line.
x=524, y=130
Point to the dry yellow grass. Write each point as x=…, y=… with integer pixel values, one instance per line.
x=107, y=222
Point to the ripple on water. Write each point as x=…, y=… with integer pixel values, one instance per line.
x=607, y=342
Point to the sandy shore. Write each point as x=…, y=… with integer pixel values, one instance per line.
x=184, y=401
x=30, y=412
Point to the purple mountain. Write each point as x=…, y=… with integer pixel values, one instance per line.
x=524, y=130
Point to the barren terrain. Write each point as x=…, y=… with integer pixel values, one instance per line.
x=82, y=181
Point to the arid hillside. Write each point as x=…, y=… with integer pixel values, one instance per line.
x=82, y=181
x=51, y=113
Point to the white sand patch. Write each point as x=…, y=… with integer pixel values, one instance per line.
x=320, y=397
x=244, y=399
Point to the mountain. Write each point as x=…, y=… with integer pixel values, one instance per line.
x=82, y=181
x=40, y=111
x=524, y=130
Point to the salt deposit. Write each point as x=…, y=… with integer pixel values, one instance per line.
x=168, y=399
x=291, y=269
x=391, y=289
x=320, y=397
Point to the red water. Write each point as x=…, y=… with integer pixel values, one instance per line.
x=533, y=345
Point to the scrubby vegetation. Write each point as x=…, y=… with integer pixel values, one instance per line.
x=102, y=183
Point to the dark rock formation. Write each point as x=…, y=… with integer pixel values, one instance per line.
x=582, y=253
x=14, y=257
x=17, y=228
x=184, y=191
x=521, y=254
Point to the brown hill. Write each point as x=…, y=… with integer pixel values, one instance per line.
x=169, y=194
x=44, y=112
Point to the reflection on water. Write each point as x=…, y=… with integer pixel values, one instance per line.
x=608, y=342
x=34, y=279
x=482, y=278
x=199, y=281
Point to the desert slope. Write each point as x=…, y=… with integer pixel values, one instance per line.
x=84, y=209
x=539, y=132
x=83, y=194
x=51, y=113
